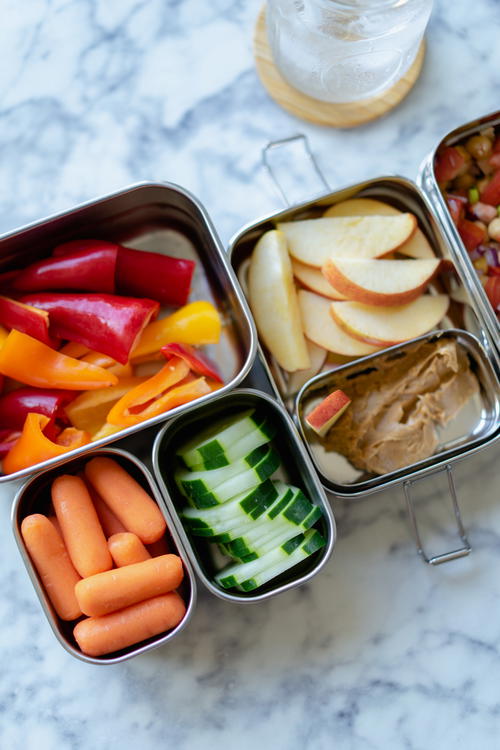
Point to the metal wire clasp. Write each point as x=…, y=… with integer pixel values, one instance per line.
x=445, y=556
x=294, y=169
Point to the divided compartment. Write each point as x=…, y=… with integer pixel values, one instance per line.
x=34, y=497
x=156, y=217
x=296, y=469
x=403, y=195
x=476, y=425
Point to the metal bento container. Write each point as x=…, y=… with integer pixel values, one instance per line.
x=427, y=181
x=159, y=217
x=34, y=497
x=469, y=318
x=296, y=468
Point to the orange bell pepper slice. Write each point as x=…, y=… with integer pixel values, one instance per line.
x=197, y=323
x=33, y=446
x=31, y=362
x=89, y=410
x=125, y=412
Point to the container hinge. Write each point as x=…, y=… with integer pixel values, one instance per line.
x=445, y=556
x=294, y=169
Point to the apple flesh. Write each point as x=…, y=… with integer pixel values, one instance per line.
x=417, y=246
x=273, y=300
x=385, y=326
x=380, y=282
x=320, y=327
x=314, y=280
x=314, y=241
x=317, y=355
x=326, y=413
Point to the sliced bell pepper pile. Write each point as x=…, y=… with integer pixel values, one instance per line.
x=33, y=447
x=25, y=318
x=29, y=361
x=198, y=323
x=105, y=323
x=8, y=439
x=92, y=270
x=16, y=405
x=89, y=410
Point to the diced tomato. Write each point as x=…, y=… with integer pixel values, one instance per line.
x=496, y=145
x=456, y=205
x=494, y=160
x=492, y=289
x=471, y=234
x=491, y=193
x=448, y=164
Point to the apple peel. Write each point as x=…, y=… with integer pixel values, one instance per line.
x=327, y=412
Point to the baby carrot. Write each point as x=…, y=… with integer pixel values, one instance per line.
x=109, y=522
x=137, y=511
x=80, y=527
x=48, y=553
x=103, y=635
x=126, y=549
x=121, y=587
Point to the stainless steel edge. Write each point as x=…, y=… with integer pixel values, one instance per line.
x=312, y=479
x=235, y=289
x=40, y=591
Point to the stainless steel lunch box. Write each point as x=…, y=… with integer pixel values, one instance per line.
x=34, y=497
x=296, y=468
x=427, y=181
x=162, y=218
x=470, y=317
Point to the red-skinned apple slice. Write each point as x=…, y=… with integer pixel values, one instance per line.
x=326, y=413
x=385, y=326
x=25, y=318
x=320, y=327
x=314, y=241
x=197, y=361
x=417, y=246
x=380, y=282
x=273, y=300
x=314, y=280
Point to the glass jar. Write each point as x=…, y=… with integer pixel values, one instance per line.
x=345, y=50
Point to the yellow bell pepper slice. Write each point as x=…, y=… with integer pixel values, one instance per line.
x=197, y=323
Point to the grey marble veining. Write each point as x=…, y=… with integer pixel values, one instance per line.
x=379, y=651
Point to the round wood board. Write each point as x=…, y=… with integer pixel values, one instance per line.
x=325, y=113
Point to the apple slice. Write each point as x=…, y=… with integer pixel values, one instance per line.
x=320, y=327
x=314, y=280
x=415, y=247
x=273, y=299
x=380, y=282
x=326, y=413
x=314, y=241
x=317, y=355
x=385, y=326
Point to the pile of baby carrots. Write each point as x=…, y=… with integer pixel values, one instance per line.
x=104, y=555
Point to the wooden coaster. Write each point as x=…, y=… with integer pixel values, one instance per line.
x=325, y=113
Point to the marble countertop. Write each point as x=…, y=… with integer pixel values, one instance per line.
x=379, y=651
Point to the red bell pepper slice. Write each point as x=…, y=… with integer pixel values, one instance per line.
x=162, y=277
x=16, y=405
x=491, y=193
x=7, y=440
x=27, y=319
x=197, y=361
x=91, y=270
x=75, y=246
x=448, y=163
x=105, y=323
x=471, y=234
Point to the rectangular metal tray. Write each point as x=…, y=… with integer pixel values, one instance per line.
x=163, y=218
x=34, y=497
x=296, y=468
x=476, y=425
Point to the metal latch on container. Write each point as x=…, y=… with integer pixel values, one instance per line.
x=298, y=178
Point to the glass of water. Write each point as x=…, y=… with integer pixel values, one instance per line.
x=345, y=50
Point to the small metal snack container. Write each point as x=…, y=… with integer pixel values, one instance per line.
x=34, y=497
x=296, y=468
x=163, y=218
x=466, y=314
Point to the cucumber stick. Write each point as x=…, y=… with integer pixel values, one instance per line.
x=241, y=448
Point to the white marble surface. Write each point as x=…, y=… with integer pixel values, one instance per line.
x=380, y=651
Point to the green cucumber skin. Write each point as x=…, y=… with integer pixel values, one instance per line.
x=260, y=436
